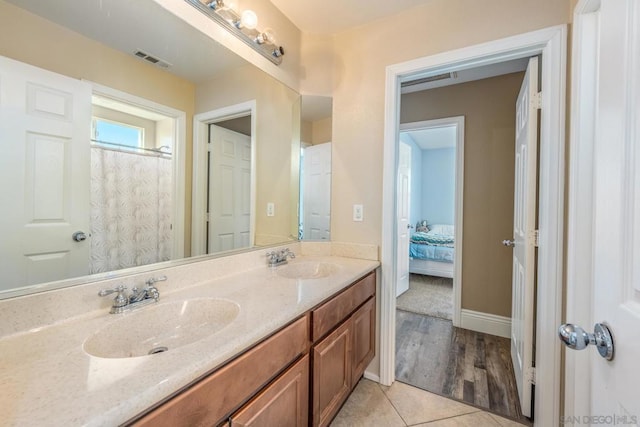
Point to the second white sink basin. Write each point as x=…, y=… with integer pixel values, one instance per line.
x=161, y=327
x=307, y=270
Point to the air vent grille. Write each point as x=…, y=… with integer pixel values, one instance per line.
x=430, y=79
x=152, y=59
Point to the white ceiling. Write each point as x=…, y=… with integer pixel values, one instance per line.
x=140, y=25
x=333, y=16
x=432, y=138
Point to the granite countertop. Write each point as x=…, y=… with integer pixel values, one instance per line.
x=48, y=379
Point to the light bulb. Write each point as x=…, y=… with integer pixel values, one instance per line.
x=249, y=19
x=267, y=36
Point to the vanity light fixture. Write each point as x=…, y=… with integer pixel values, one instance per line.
x=242, y=25
x=248, y=19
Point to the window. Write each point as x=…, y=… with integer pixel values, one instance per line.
x=108, y=133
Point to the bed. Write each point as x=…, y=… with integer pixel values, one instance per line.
x=432, y=252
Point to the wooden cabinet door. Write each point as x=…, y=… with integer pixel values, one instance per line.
x=363, y=338
x=284, y=403
x=331, y=374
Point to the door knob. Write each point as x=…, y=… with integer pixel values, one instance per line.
x=509, y=243
x=79, y=236
x=576, y=338
x=409, y=226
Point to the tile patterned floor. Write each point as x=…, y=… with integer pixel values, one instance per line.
x=401, y=405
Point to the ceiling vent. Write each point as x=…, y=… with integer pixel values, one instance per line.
x=152, y=59
x=430, y=79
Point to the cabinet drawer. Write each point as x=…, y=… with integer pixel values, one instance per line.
x=328, y=315
x=209, y=401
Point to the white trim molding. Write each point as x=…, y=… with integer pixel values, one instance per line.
x=201, y=124
x=580, y=213
x=486, y=323
x=550, y=43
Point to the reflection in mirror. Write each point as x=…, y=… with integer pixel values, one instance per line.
x=131, y=204
x=315, y=168
x=106, y=104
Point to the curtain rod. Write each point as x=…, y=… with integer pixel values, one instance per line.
x=153, y=150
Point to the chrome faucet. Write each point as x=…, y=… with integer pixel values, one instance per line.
x=276, y=258
x=138, y=297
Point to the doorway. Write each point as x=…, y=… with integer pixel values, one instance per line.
x=224, y=166
x=463, y=358
x=435, y=218
x=551, y=45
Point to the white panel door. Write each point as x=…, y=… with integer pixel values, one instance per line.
x=524, y=224
x=316, y=179
x=404, y=227
x=45, y=125
x=614, y=393
x=229, y=190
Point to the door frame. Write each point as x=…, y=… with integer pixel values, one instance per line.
x=178, y=157
x=580, y=212
x=551, y=43
x=201, y=124
x=458, y=122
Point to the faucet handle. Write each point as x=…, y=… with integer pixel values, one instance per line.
x=119, y=289
x=120, y=301
x=153, y=280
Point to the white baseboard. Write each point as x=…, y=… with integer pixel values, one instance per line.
x=486, y=323
x=372, y=377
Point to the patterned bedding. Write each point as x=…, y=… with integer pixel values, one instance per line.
x=429, y=252
x=422, y=238
x=436, y=244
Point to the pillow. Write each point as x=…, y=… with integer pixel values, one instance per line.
x=442, y=229
x=422, y=226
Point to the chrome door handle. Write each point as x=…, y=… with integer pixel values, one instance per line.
x=509, y=243
x=79, y=236
x=409, y=226
x=576, y=338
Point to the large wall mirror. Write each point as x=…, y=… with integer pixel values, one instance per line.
x=133, y=141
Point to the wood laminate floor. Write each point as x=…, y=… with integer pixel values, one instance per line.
x=469, y=366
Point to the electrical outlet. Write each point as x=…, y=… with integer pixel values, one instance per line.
x=358, y=212
x=271, y=209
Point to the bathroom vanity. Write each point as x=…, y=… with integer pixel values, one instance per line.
x=287, y=346
x=273, y=377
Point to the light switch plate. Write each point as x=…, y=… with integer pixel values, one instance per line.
x=358, y=212
x=271, y=209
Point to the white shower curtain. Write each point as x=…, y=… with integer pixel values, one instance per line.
x=130, y=209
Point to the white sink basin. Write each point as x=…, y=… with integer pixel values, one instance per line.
x=161, y=327
x=307, y=270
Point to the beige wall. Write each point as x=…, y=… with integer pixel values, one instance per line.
x=28, y=38
x=321, y=131
x=359, y=88
x=306, y=132
x=488, y=107
x=275, y=116
x=316, y=132
x=317, y=67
